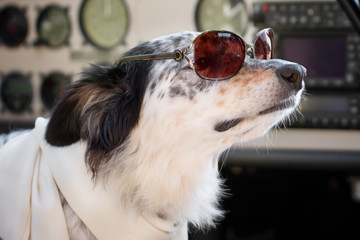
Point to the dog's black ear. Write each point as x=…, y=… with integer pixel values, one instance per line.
x=64, y=127
x=101, y=109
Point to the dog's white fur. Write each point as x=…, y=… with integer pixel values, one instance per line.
x=167, y=166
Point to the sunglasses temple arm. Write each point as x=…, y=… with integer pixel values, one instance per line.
x=176, y=55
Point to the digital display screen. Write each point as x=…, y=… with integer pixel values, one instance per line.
x=325, y=105
x=323, y=57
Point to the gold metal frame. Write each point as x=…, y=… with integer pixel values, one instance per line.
x=179, y=55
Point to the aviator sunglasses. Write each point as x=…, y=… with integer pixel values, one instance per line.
x=218, y=55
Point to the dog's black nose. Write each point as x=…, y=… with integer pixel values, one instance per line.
x=293, y=74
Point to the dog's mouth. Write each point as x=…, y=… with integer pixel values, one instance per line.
x=228, y=124
x=283, y=105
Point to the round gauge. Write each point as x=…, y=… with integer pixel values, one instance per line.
x=13, y=26
x=16, y=92
x=104, y=22
x=53, y=87
x=53, y=26
x=228, y=15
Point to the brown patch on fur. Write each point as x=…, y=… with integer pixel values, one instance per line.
x=220, y=103
x=161, y=215
x=254, y=77
x=225, y=141
x=222, y=91
x=178, y=122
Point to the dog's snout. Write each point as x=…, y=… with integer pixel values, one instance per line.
x=293, y=74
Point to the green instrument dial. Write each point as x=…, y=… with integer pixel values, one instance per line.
x=53, y=26
x=104, y=22
x=228, y=15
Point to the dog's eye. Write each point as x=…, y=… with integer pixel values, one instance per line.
x=202, y=63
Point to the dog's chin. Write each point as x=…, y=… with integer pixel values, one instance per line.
x=282, y=106
x=265, y=118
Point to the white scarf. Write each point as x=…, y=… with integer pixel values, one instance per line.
x=32, y=171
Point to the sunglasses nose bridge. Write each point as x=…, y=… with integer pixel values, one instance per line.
x=249, y=50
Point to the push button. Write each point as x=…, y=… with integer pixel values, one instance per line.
x=344, y=122
x=354, y=123
x=354, y=110
x=325, y=122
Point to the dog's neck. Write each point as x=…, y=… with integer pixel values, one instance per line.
x=172, y=176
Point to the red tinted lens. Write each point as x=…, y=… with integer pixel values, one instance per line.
x=263, y=46
x=218, y=54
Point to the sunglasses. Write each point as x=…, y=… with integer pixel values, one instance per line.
x=218, y=55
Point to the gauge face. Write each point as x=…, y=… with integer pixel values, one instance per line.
x=53, y=87
x=16, y=92
x=53, y=26
x=104, y=22
x=228, y=15
x=13, y=26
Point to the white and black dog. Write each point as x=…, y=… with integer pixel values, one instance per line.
x=156, y=129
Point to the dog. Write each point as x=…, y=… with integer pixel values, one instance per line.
x=151, y=132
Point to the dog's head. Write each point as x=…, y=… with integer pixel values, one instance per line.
x=164, y=104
